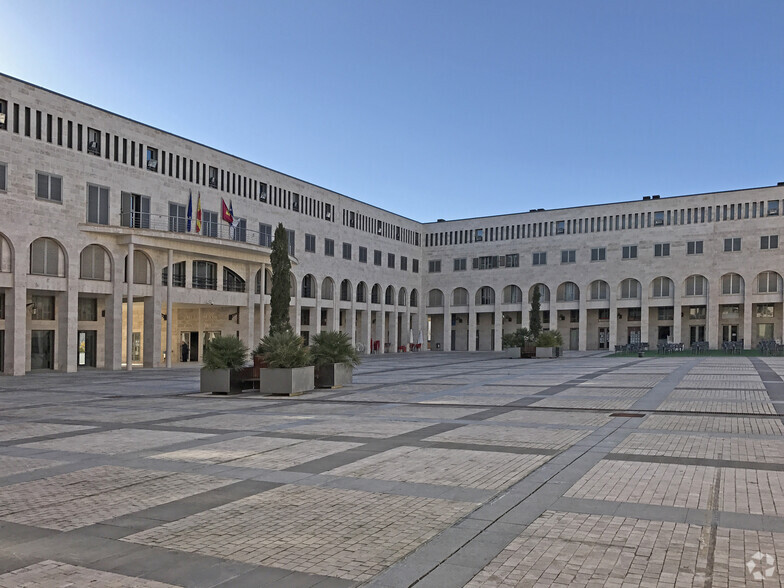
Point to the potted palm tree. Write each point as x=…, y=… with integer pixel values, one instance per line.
x=289, y=370
x=335, y=359
x=223, y=371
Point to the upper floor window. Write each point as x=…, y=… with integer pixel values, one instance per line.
x=48, y=187
x=769, y=242
x=209, y=223
x=376, y=257
x=731, y=284
x=486, y=262
x=479, y=235
x=177, y=217
x=391, y=260
x=696, y=285
x=767, y=282
x=662, y=287
x=178, y=275
x=363, y=255
x=329, y=247
x=560, y=227
x=658, y=218
x=291, y=240
x=205, y=275
x=45, y=257
x=97, y=204
x=661, y=250
x=629, y=252
x=460, y=264
x=732, y=244
x=3, y=114
x=213, y=181
x=598, y=254
x=434, y=266
x=600, y=290
x=568, y=256
x=346, y=250
x=2, y=177
x=238, y=229
x=694, y=248
x=773, y=207
x=512, y=259
x=310, y=243
x=93, y=141
x=135, y=211
x=403, y=263
x=415, y=269
x=152, y=159
x=265, y=235
x=630, y=288
x=540, y=258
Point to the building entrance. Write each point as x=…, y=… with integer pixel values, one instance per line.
x=42, y=350
x=86, y=347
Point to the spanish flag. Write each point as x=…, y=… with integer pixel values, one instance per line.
x=198, y=213
x=226, y=213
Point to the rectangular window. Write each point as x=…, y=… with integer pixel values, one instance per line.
x=93, y=141
x=403, y=263
x=559, y=227
x=44, y=258
x=391, y=260
x=415, y=266
x=177, y=218
x=635, y=314
x=329, y=247
x=152, y=159
x=363, y=255
x=763, y=310
x=658, y=219
x=629, y=252
x=209, y=224
x=265, y=235
x=732, y=244
x=598, y=254
x=178, y=275
x=460, y=264
x=568, y=256
x=88, y=309
x=769, y=242
x=205, y=275
x=3, y=184
x=135, y=211
x=48, y=187
x=43, y=308
x=661, y=250
x=478, y=235
x=666, y=313
x=292, y=241
x=434, y=266
x=346, y=250
x=3, y=114
x=773, y=207
x=310, y=243
x=698, y=313
x=694, y=248
x=512, y=259
x=376, y=257
x=97, y=204
x=540, y=258
x=213, y=181
x=239, y=230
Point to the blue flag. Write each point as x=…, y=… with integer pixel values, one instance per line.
x=190, y=209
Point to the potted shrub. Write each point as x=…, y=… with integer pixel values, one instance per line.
x=548, y=344
x=223, y=371
x=335, y=359
x=518, y=343
x=289, y=368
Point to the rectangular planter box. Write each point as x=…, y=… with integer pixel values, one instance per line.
x=548, y=352
x=334, y=375
x=512, y=352
x=287, y=381
x=222, y=381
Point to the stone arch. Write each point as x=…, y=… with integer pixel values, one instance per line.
x=485, y=295
x=95, y=263
x=629, y=289
x=47, y=257
x=568, y=292
x=435, y=297
x=459, y=297
x=513, y=294
x=327, y=289
x=544, y=292
x=599, y=290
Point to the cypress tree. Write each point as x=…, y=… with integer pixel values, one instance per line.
x=280, y=298
x=535, y=325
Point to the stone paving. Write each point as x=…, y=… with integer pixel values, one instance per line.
x=431, y=470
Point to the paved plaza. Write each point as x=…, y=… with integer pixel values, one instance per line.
x=431, y=470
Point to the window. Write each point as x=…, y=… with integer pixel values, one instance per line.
x=178, y=275
x=698, y=313
x=540, y=258
x=568, y=256
x=92, y=263
x=177, y=218
x=478, y=235
x=209, y=223
x=568, y=292
x=512, y=260
x=265, y=235
x=560, y=227
x=97, y=204
x=658, y=218
x=152, y=160
x=415, y=269
x=604, y=314
x=346, y=250
x=329, y=247
x=486, y=295
x=93, y=141
x=292, y=240
x=3, y=184
x=2, y=306
x=310, y=243
x=135, y=211
x=661, y=287
x=376, y=257
x=729, y=311
x=767, y=282
x=403, y=263
x=635, y=314
x=661, y=250
x=773, y=207
x=666, y=313
x=43, y=308
x=460, y=297
x=45, y=257
x=696, y=286
x=238, y=230
x=763, y=310
x=629, y=252
x=213, y=181
x=363, y=255
x=694, y=248
x=88, y=309
x=345, y=291
x=205, y=275
x=391, y=260
x=48, y=187
x=731, y=284
x=732, y=244
x=460, y=264
x=232, y=281
x=630, y=288
x=598, y=254
x=434, y=266
x=3, y=114
x=769, y=242
x=486, y=262
x=600, y=290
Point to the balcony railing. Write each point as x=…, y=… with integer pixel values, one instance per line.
x=177, y=224
x=202, y=283
x=233, y=286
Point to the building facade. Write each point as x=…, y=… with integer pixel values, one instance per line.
x=103, y=262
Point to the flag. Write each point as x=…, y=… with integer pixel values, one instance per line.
x=198, y=213
x=190, y=209
x=231, y=211
x=226, y=213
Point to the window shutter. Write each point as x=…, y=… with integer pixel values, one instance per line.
x=103, y=206
x=501, y=259
x=475, y=263
x=92, y=204
x=145, y=212
x=42, y=186
x=52, y=258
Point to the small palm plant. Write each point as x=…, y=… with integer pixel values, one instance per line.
x=333, y=347
x=284, y=349
x=225, y=352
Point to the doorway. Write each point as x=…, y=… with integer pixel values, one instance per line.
x=604, y=337
x=664, y=335
x=696, y=333
x=729, y=333
x=189, y=346
x=634, y=336
x=574, y=339
x=42, y=350
x=87, y=344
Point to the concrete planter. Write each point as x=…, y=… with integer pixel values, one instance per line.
x=547, y=352
x=511, y=352
x=223, y=381
x=288, y=381
x=334, y=375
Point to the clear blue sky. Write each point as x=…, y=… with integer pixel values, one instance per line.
x=437, y=109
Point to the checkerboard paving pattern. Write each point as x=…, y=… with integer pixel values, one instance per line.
x=714, y=424
x=116, y=441
x=706, y=447
x=10, y=466
x=513, y=436
x=347, y=534
x=55, y=574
